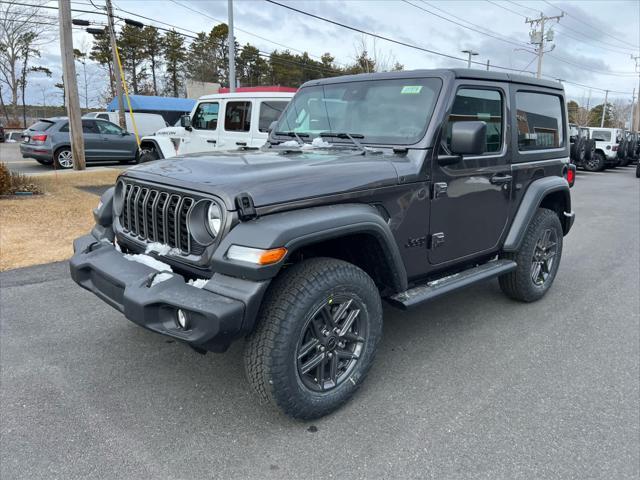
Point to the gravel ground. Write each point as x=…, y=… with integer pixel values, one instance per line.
x=470, y=386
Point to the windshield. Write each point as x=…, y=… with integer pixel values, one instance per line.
x=381, y=111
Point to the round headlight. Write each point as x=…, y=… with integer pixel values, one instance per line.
x=214, y=218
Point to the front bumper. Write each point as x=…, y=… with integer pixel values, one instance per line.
x=215, y=316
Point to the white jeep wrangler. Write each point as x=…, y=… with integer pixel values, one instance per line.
x=222, y=121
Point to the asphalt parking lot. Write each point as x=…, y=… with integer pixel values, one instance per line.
x=10, y=154
x=470, y=386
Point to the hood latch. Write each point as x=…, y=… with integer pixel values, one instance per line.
x=246, y=209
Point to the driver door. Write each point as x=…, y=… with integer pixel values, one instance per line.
x=470, y=199
x=204, y=133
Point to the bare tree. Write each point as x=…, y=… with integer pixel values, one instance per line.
x=621, y=111
x=21, y=33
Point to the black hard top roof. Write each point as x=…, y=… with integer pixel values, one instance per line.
x=468, y=73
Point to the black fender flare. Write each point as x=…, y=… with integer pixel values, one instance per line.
x=298, y=228
x=156, y=146
x=530, y=203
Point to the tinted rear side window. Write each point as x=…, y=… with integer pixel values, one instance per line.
x=539, y=118
x=41, y=126
x=237, y=117
x=270, y=112
x=601, y=135
x=103, y=116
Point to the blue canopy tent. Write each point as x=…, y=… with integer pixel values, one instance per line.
x=171, y=108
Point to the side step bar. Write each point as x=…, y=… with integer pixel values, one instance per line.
x=436, y=288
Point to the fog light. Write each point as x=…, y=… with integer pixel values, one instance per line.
x=182, y=319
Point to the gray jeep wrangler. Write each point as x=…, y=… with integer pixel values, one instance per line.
x=400, y=186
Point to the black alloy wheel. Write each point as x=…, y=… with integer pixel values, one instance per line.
x=331, y=343
x=544, y=254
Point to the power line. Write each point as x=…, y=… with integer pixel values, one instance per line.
x=634, y=46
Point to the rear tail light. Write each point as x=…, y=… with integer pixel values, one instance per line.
x=39, y=139
x=615, y=148
x=570, y=174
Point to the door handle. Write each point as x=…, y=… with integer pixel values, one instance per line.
x=241, y=144
x=500, y=179
x=212, y=141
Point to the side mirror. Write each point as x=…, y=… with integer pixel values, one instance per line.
x=469, y=138
x=185, y=121
x=272, y=126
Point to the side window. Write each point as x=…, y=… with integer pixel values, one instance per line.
x=64, y=128
x=270, y=112
x=237, y=117
x=108, y=128
x=539, y=118
x=601, y=135
x=89, y=126
x=206, y=116
x=473, y=104
x=103, y=116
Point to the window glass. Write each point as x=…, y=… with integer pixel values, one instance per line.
x=539, y=118
x=89, y=126
x=108, y=128
x=237, y=118
x=40, y=126
x=103, y=116
x=206, y=116
x=601, y=135
x=65, y=127
x=270, y=112
x=393, y=112
x=477, y=104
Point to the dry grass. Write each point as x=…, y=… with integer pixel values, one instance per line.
x=41, y=229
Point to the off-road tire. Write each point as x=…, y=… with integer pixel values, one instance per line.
x=519, y=284
x=270, y=356
x=638, y=170
x=146, y=155
x=595, y=164
x=624, y=161
x=56, y=160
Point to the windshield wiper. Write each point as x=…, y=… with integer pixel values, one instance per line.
x=297, y=135
x=350, y=136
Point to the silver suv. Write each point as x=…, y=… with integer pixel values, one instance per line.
x=47, y=141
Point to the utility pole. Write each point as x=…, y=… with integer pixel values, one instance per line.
x=470, y=54
x=71, y=87
x=633, y=107
x=232, y=51
x=116, y=69
x=488, y=63
x=636, y=123
x=538, y=37
x=604, y=108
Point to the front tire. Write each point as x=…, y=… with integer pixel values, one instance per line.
x=316, y=338
x=538, y=259
x=147, y=154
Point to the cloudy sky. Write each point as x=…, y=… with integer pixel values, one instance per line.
x=594, y=40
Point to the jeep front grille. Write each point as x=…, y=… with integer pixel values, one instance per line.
x=154, y=215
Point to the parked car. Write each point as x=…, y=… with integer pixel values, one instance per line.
x=401, y=186
x=590, y=144
x=47, y=141
x=2, y=138
x=146, y=123
x=13, y=137
x=578, y=144
x=246, y=115
x=606, y=154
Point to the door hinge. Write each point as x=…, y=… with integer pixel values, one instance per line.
x=246, y=209
x=436, y=240
x=439, y=190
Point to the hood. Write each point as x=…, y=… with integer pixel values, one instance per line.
x=271, y=177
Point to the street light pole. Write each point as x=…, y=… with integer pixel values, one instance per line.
x=232, y=51
x=604, y=108
x=470, y=54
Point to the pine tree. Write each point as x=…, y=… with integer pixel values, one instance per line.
x=175, y=57
x=132, y=55
x=152, y=50
x=101, y=54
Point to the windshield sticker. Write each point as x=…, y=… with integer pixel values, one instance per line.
x=411, y=89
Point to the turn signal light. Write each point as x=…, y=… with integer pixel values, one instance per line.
x=256, y=255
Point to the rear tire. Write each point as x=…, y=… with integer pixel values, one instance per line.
x=538, y=259
x=63, y=158
x=595, y=164
x=297, y=358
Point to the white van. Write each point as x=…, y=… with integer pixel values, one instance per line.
x=147, y=123
x=222, y=121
